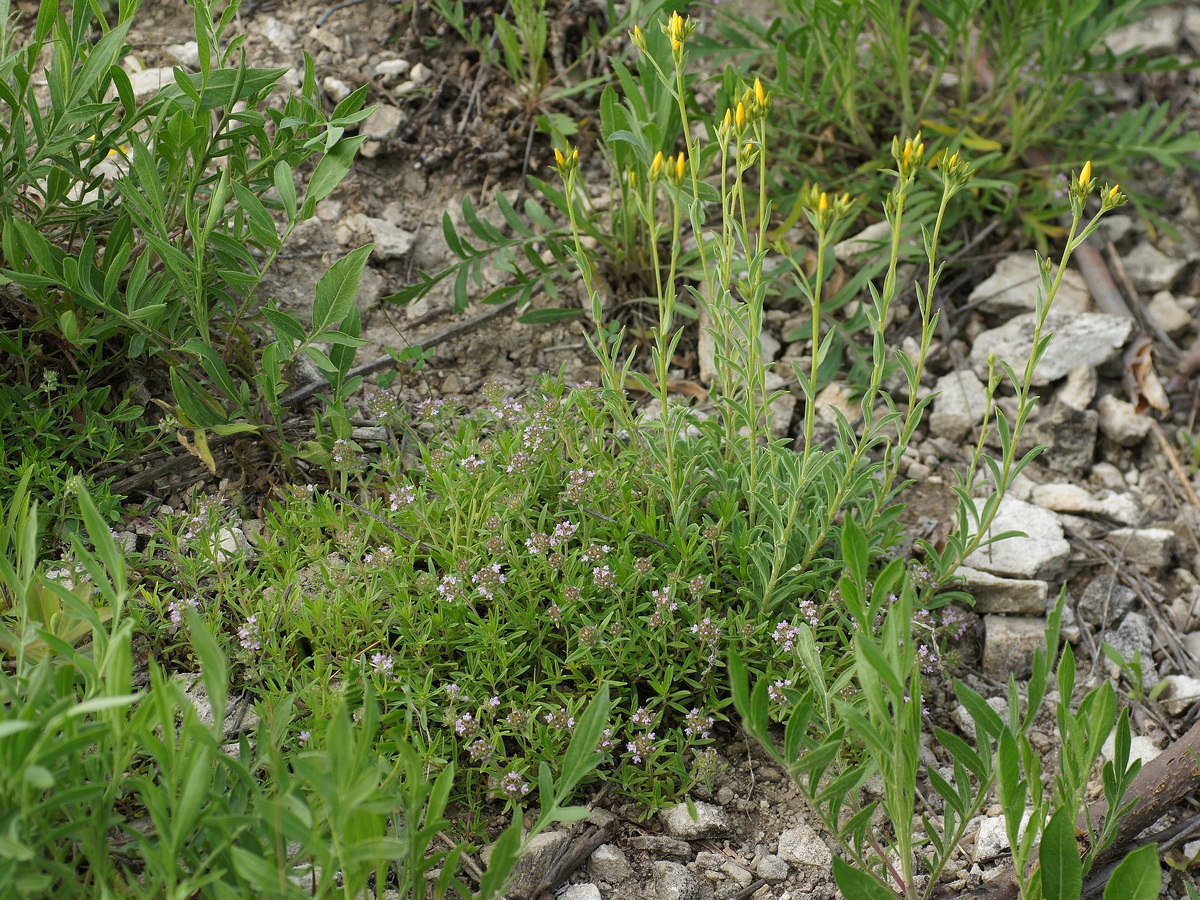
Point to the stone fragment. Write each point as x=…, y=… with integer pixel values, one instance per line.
x=1131, y=637
x=239, y=711
x=230, y=542
x=1069, y=435
x=533, y=864
x=608, y=863
x=770, y=868
x=148, y=82
x=991, y=839
x=1009, y=645
x=661, y=845
x=1120, y=421
x=1042, y=555
x=959, y=405
x=1180, y=692
x=1156, y=35
x=1165, y=312
x=279, y=35
x=1080, y=339
x=1140, y=747
x=1151, y=547
x=837, y=395
x=186, y=54
x=384, y=123
x=710, y=821
x=1071, y=498
x=1015, y=284
x=872, y=239
x=1104, y=600
x=1116, y=226
x=673, y=881
x=1079, y=389
x=391, y=241
x=1011, y=596
x=420, y=73
x=802, y=846
x=327, y=39
x=581, y=892
x=1150, y=269
x=391, y=68
x=1191, y=643
x=335, y=88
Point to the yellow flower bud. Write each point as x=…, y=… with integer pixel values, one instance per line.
x=823, y=203
x=575, y=155
x=759, y=94
x=1112, y=194
x=676, y=46
x=637, y=38
x=656, y=166
x=740, y=116
x=954, y=160
x=728, y=118
x=559, y=158
x=1086, y=175
x=679, y=167
x=676, y=27
x=906, y=156
x=921, y=149
x=633, y=179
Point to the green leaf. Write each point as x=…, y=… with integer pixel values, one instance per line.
x=1061, y=867
x=329, y=174
x=285, y=184
x=858, y=884
x=554, y=314
x=337, y=288
x=1138, y=877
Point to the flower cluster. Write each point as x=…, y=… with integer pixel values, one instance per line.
x=380, y=556
x=450, y=588
x=559, y=719
x=514, y=786
x=697, y=725
x=401, y=497
x=603, y=577
x=384, y=407
x=775, y=690
x=577, y=481
x=248, y=634
x=382, y=664
x=176, y=609
x=488, y=579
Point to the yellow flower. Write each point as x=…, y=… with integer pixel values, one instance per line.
x=679, y=168
x=676, y=46
x=1113, y=192
x=1086, y=175
x=637, y=38
x=740, y=116
x=759, y=94
x=559, y=158
x=823, y=203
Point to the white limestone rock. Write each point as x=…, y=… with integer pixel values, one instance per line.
x=1080, y=339
x=1015, y=284
x=959, y=405
x=1150, y=269
x=1041, y=555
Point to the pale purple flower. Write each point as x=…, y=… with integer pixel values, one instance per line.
x=785, y=635
x=176, y=608
x=698, y=725
x=473, y=463
x=514, y=786
x=398, y=499
x=775, y=691
x=380, y=557
x=248, y=634
x=465, y=725
x=641, y=747
x=537, y=543
x=603, y=577
x=382, y=663
x=563, y=532
x=450, y=588
x=560, y=719
x=488, y=579
x=641, y=718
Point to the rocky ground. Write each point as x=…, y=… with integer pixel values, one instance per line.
x=1110, y=508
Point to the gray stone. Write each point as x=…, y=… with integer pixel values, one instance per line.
x=1116, y=226
x=1121, y=423
x=280, y=36
x=802, y=846
x=1015, y=284
x=335, y=88
x=581, y=892
x=872, y=239
x=770, y=868
x=1191, y=643
x=1140, y=747
x=1042, y=555
x=149, y=82
x=1150, y=269
x=673, y=881
x=384, y=123
x=420, y=73
x=391, y=68
x=1071, y=498
x=1080, y=339
x=186, y=54
x=608, y=863
x=1151, y=547
x=391, y=242
x=959, y=405
x=710, y=821
x=991, y=839
x=660, y=845
x=737, y=873
x=994, y=594
x=1131, y=637
x=1079, y=389
x=534, y=863
x=1165, y=312
x=1009, y=645
x=239, y=711
x=1104, y=600
x=1180, y=692
x=1069, y=435
x=1156, y=34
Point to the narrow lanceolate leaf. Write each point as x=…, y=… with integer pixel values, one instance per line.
x=1062, y=869
x=858, y=884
